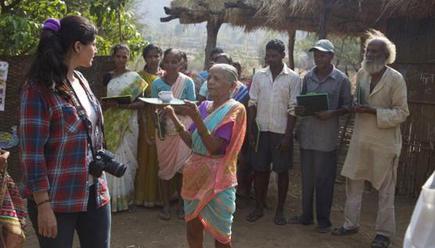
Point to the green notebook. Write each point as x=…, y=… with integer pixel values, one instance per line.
x=313, y=102
x=160, y=124
x=125, y=99
x=256, y=132
x=361, y=96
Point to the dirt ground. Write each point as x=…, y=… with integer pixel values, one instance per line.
x=141, y=227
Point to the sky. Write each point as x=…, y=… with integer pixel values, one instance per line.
x=152, y=11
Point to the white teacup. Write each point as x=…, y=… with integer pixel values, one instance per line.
x=165, y=96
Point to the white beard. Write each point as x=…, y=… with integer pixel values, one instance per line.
x=373, y=67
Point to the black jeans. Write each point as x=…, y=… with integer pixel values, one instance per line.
x=93, y=226
x=318, y=174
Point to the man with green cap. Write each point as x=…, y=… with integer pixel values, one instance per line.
x=317, y=135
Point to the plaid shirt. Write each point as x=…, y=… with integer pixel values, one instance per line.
x=54, y=147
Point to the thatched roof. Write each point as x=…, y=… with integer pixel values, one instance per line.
x=195, y=11
x=409, y=8
x=346, y=16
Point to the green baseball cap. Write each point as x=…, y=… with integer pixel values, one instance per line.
x=323, y=45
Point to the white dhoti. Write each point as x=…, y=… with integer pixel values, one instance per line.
x=385, y=220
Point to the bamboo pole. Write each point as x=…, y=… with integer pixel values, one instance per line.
x=291, y=48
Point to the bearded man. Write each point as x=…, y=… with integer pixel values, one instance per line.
x=376, y=141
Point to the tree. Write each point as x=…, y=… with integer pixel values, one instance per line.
x=20, y=22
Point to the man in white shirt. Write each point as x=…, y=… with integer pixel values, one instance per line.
x=271, y=114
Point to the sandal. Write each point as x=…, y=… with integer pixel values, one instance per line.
x=298, y=220
x=254, y=215
x=180, y=213
x=323, y=229
x=280, y=219
x=381, y=241
x=341, y=231
x=165, y=214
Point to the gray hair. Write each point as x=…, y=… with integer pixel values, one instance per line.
x=229, y=71
x=390, y=48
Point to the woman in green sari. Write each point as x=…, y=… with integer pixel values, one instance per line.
x=121, y=127
x=147, y=191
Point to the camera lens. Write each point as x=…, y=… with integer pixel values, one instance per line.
x=115, y=168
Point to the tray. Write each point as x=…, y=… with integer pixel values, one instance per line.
x=158, y=101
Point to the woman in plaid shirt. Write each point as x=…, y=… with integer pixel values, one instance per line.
x=55, y=153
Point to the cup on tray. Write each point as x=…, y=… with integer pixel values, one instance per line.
x=166, y=96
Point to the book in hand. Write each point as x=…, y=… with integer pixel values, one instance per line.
x=256, y=133
x=313, y=102
x=160, y=124
x=125, y=99
x=360, y=94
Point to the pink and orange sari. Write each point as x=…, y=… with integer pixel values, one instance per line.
x=209, y=181
x=12, y=212
x=172, y=152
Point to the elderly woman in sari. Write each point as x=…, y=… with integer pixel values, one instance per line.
x=121, y=126
x=209, y=176
x=12, y=212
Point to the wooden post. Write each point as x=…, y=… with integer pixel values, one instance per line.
x=213, y=26
x=362, y=39
x=326, y=10
x=291, y=48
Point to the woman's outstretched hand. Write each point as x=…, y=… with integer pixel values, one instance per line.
x=190, y=109
x=169, y=111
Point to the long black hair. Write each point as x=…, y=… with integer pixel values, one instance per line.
x=48, y=67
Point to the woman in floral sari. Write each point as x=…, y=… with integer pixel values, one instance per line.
x=12, y=210
x=209, y=176
x=121, y=127
x=147, y=191
x=172, y=153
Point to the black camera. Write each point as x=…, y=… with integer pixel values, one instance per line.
x=105, y=161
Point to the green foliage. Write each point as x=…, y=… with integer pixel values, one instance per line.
x=20, y=26
x=21, y=23
x=21, y=42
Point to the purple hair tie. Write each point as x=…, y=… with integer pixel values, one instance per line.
x=51, y=24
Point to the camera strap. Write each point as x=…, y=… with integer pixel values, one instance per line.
x=82, y=115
